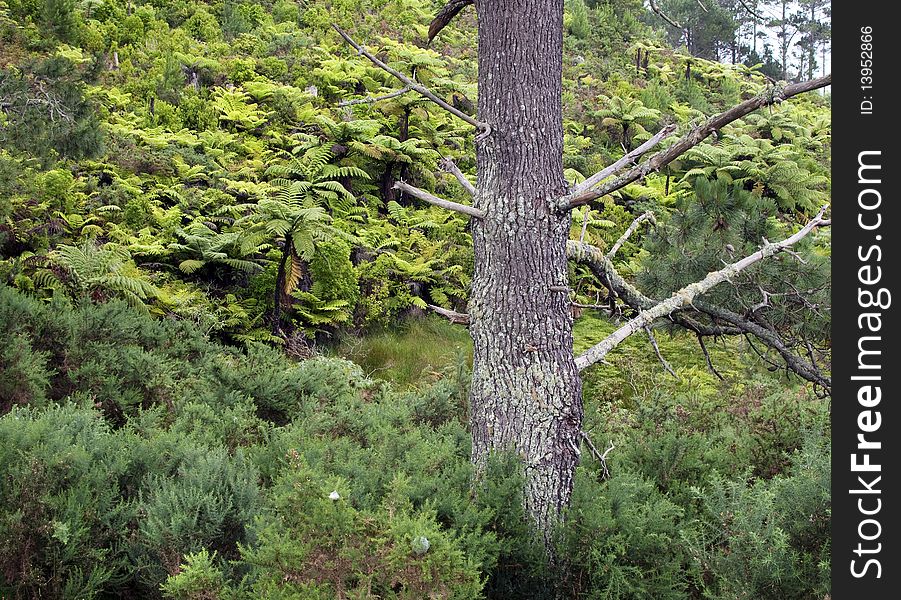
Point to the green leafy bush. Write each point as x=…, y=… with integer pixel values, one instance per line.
x=154, y=461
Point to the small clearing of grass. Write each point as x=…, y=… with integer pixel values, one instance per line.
x=422, y=350
x=418, y=351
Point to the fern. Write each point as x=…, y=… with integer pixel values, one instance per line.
x=97, y=272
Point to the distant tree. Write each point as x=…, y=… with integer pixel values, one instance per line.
x=60, y=19
x=707, y=32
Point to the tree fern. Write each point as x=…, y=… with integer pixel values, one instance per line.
x=95, y=272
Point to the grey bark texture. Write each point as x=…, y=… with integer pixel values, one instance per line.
x=526, y=391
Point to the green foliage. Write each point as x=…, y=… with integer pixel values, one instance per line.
x=320, y=545
x=198, y=578
x=625, y=539
x=98, y=272
x=628, y=116
x=48, y=113
x=409, y=354
x=771, y=538
x=217, y=479
x=64, y=515
x=24, y=375
x=211, y=113
x=697, y=239
x=204, y=247
x=206, y=500
x=191, y=160
x=577, y=24
x=59, y=18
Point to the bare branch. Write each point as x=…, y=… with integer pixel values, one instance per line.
x=452, y=315
x=432, y=199
x=704, y=8
x=748, y=8
x=603, y=269
x=693, y=138
x=666, y=365
x=584, y=224
x=663, y=16
x=445, y=16
x=707, y=358
x=687, y=295
x=648, y=216
x=374, y=99
x=622, y=163
x=448, y=164
x=484, y=128
x=807, y=370
x=764, y=303
x=600, y=307
x=602, y=458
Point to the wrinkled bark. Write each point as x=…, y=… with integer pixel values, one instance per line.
x=526, y=391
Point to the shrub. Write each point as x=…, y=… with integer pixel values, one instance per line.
x=63, y=517
x=206, y=502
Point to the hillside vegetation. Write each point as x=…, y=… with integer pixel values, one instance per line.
x=218, y=374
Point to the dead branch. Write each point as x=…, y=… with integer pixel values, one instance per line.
x=602, y=268
x=452, y=315
x=445, y=16
x=484, y=128
x=687, y=295
x=584, y=224
x=666, y=365
x=432, y=199
x=648, y=216
x=602, y=458
x=606, y=273
x=598, y=307
x=623, y=162
x=374, y=99
x=707, y=358
x=448, y=165
x=750, y=12
x=692, y=139
x=663, y=16
x=797, y=364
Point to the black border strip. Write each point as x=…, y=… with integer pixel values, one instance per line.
x=865, y=262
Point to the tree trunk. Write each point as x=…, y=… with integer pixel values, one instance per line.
x=526, y=391
x=279, y=285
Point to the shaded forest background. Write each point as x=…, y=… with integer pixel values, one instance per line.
x=219, y=374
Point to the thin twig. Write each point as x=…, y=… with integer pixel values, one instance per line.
x=484, y=128
x=663, y=16
x=648, y=216
x=584, y=224
x=748, y=8
x=707, y=358
x=599, y=307
x=601, y=458
x=666, y=365
x=448, y=164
